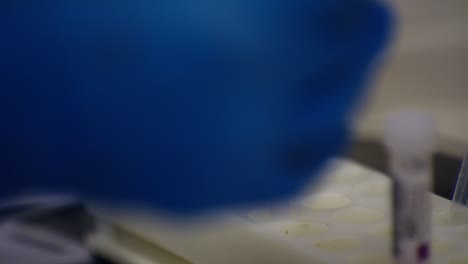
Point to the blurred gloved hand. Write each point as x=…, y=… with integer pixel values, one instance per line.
x=183, y=105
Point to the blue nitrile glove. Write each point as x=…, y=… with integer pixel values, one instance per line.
x=183, y=105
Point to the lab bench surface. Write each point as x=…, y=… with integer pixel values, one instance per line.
x=346, y=220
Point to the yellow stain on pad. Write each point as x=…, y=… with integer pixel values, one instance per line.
x=458, y=215
x=325, y=201
x=380, y=188
x=351, y=175
x=359, y=215
x=305, y=229
x=344, y=244
x=441, y=218
x=382, y=231
x=446, y=217
x=441, y=247
x=372, y=259
x=459, y=261
x=464, y=232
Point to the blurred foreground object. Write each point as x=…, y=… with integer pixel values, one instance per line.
x=182, y=105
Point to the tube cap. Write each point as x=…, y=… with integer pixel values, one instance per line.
x=410, y=132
